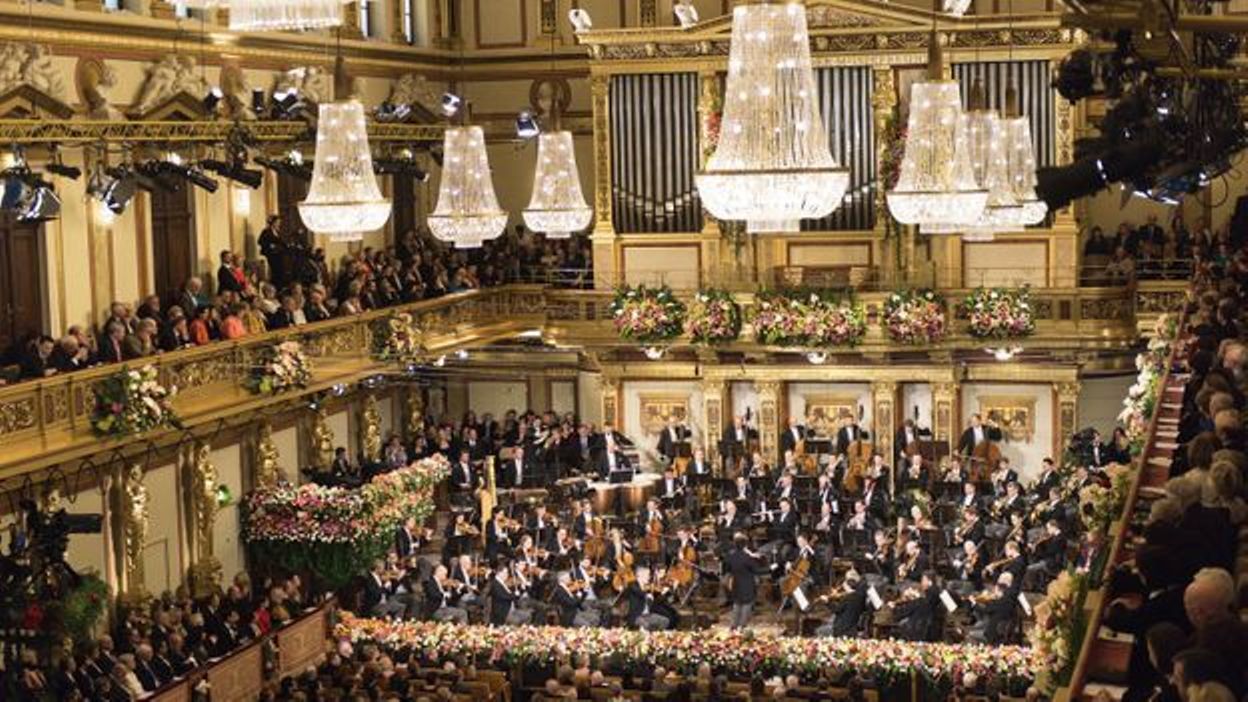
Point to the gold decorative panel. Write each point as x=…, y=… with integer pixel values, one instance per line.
x=1015, y=414
x=656, y=410
x=825, y=413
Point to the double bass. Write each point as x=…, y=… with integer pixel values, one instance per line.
x=984, y=458
x=857, y=457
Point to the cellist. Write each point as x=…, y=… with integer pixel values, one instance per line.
x=977, y=443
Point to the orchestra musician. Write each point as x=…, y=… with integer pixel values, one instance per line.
x=918, y=611
x=849, y=433
x=1003, y=476
x=1048, y=478
x=735, y=439
x=641, y=604
x=504, y=601
x=905, y=437
x=977, y=434
x=848, y=607
x=569, y=598
x=381, y=596
x=672, y=437
x=698, y=469
x=995, y=612
x=441, y=597
x=673, y=485
x=741, y=492
x=465, y=571
x=794, y=435
x=613, y=465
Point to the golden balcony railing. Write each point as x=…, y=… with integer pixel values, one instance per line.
x=47, y=421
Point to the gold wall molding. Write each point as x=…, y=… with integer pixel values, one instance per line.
x=769, y=394
x=370, y=428
x=321, y=447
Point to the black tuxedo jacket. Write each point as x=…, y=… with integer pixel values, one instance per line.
x=788, y=442
x=668, y=445
x=744, y=570
x=501, y=600
x=568, y=605
x=966, y=445
x=848, y=435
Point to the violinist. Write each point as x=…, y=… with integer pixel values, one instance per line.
x=588, y=577
x=1047, y=554
x=541, y=525
x=1003, y=476
x=1010, y=562
x=827, y=493
x=913, y=561
x=994, y=612
x=1048, y=479
x=860, y=520
x=741, y=492
x=875, y=497
x=441, y=598
x=784, y=487
x=641, y=604
x=850, y=602
x=569, y=597
x=917, y=612
x=969, y=528
x=504, y=601
x=562, y=545
x=881, y=555
x=407, y=539
x=583, y=525
x=914, y=477
x=673, y=485
x=463, y=570
x=498, y=536
x=968, y=569
x=970, y=496
x=532, y=557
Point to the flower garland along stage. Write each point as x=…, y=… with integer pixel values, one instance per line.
x=1141, y=400
x=335, y=532
x=714, y=318
x=282, y=367
x=998, y=313
x=647, y=315
x=915, y=317
x=810, y=320
x=397, y=339
x=734, y=653
x=1059, y=629
x=131, y=402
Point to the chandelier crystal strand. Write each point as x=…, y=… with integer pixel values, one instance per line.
x=772, y=166
x=1019, y=170
x=936, y=183
x=343, y=200
x=269, y=15
x=557, y=207
x=467, y=213
x=983, y=135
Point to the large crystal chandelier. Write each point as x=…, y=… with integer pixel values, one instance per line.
x=937, y=183
x=467, y=213
x=1017, y=171
x=557, y=207
x=772, y=166
x=270, y=15
x=980, y=134
x=343, y=200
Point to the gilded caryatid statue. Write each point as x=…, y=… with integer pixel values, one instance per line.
x=322, y=441
x=415, y=413
x=268, y=470
x=370, y=429
x=135, y=517
x=206, y=571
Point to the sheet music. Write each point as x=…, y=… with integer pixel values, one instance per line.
x=800, y=598
x=947, y=600
x=876, y=601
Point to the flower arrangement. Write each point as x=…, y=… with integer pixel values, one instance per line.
x=397, y=338
x=729, y=652
x=282, y=367
x=894, y=138
x=809, y=320
x=915, y=316
x=714, y=318
x=647, y=315
x=133, y=401
x=1058, y=631
x=1141, y=400
x=337, y=532
x=1099, y=505
x=998, y=313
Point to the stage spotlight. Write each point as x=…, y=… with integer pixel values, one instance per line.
x=212, y=99
x=43, y=204
x=234, y=171
x=60, y=169
x=580, y=20
x=257, y=100
x=451, y=104
x=285, y=98
x=686, y=14
x=526, y=126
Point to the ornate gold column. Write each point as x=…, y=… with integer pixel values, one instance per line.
x=883, y=103
x=611, y=410
x=883, y=410
x=351, y=21
x=267, y=459
x=944, y=412
x=107, y=514
x=134, y=524
x=715, y=250
x=713, y=393
x=603, y=236
x=1066, y=397
x=370, y=429
x=397, y=34
x=648, y=11
x=321, y=451
x=205, y=573
x=769, y=416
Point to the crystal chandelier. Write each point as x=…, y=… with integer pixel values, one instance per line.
x=467, y=213
x=343, y=200
x=937, y=183
x=1017, y=172
x=270, y=15
x=557, y=207
x=980, y=133
x=772, y=166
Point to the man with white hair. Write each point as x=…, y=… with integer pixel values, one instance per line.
x=1208, y=598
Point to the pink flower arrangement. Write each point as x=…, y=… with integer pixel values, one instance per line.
x=998, y=313
x=915, y=317
x=133, y=401
x=647, y=315
x=714, y=318
x=811, y=320
x=729, y=652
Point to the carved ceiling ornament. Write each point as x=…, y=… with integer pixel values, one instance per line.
x=415, y=90
x=29, y=64
x=237, y=92
x=830, y=17
x=93, y=77
x=166, y=79
x=313, y=83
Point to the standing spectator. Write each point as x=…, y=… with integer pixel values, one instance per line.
x=273, y=248
x=229, y=276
